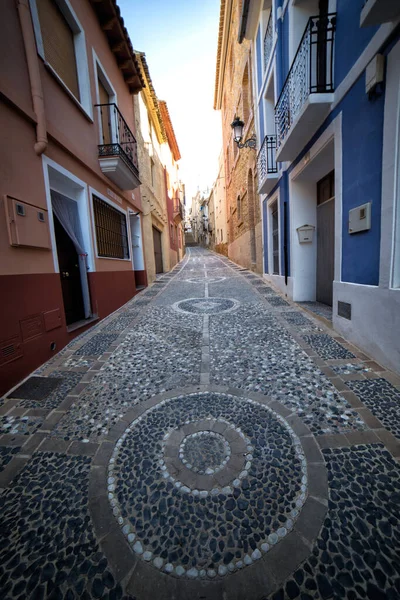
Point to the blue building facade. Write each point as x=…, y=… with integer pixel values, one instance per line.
x=327, y=107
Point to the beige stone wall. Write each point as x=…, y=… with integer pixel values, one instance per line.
x=240, y=165
x=152, y=189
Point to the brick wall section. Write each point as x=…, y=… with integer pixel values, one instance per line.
x=245, y=242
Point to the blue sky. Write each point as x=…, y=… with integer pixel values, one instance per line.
x=180, y=38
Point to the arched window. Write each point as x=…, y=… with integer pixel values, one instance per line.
x=251, y=208
x=245, y=95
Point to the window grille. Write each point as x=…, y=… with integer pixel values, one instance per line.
x=111, y=230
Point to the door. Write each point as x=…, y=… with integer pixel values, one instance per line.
x=71, y=286
x=157, y=250
x=275, y=239
x=325, y=238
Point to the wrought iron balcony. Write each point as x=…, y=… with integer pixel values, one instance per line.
x=118, y=152
x=268, y=41
x=266, y=165
x=178, y=211
x=308, y=90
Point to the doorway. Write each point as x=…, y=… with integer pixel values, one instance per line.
x=157, y=250
x=325, y=238
x=68, y=261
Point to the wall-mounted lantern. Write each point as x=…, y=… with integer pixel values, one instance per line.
x=237, y=126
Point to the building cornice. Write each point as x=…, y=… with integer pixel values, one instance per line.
x=225, y=17
x=111, y=22
x=172, y=142
x=151, y=99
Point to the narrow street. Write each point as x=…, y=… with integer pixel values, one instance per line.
x=209, y=440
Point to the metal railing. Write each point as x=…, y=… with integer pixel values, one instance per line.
x=268, y=41
x=311, y=72
x=266, y=159
x=178, y=208
x=118, y=139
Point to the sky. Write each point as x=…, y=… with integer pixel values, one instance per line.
x=179, y=38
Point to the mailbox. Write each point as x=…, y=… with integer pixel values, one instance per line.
x=306, y=234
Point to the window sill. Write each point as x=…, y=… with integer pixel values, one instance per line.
x=83, y=323
x=88, y=116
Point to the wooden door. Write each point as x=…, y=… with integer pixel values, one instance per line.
x=71, y=286
x=157, y=250
x=325, y=238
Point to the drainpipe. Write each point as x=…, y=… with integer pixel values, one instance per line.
x=34, y=74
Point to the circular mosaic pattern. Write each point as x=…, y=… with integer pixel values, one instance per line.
x=204, y=452
x=216, y=523
x=206, y=306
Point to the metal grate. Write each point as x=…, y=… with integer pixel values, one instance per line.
x=268, y=40
x=266, y=160
x=111, y=230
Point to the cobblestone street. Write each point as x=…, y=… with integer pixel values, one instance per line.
x=210, y=440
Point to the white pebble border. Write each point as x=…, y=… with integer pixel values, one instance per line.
x=264, y=545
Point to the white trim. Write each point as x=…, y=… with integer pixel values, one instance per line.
x=390, y=194
x=333, y=133
x=274, y=198
x=93, y=191
x=82, y=66
x=361, y=63
x=83, y=209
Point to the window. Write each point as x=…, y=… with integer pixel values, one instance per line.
x=58, y=43
x=152, y=173
x=326, y=188
x=111, y=230
x=238, y=208
x=245, y=94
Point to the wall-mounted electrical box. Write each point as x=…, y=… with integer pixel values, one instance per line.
x=374, y=73
x=360, y=218
x=306, y=234
x=28, y=225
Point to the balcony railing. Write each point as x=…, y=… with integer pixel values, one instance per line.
x=178, y=210
x=311, y=72
x=266, y=160
x=268, y=40
x=118, y=139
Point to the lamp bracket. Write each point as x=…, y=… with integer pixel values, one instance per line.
x=250, y=143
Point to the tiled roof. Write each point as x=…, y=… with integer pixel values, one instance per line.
x=173, y=144
x=112, y=23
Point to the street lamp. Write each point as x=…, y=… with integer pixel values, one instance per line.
x=237, y=126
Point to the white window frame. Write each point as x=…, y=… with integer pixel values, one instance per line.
x=270, y=203
x=100, y=73
x=81, y=198
x=82, y=67
x=94, y=192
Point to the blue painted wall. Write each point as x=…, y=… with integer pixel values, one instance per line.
x=259, y=60
x=350, y=38
x=362, y=139
x=282, y=51
x=261, y=120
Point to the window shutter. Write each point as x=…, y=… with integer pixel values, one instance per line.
x=58, y=43
x=105, y=114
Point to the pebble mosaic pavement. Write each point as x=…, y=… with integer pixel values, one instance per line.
x=210, y=440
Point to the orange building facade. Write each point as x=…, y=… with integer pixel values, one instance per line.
x=71, y=245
